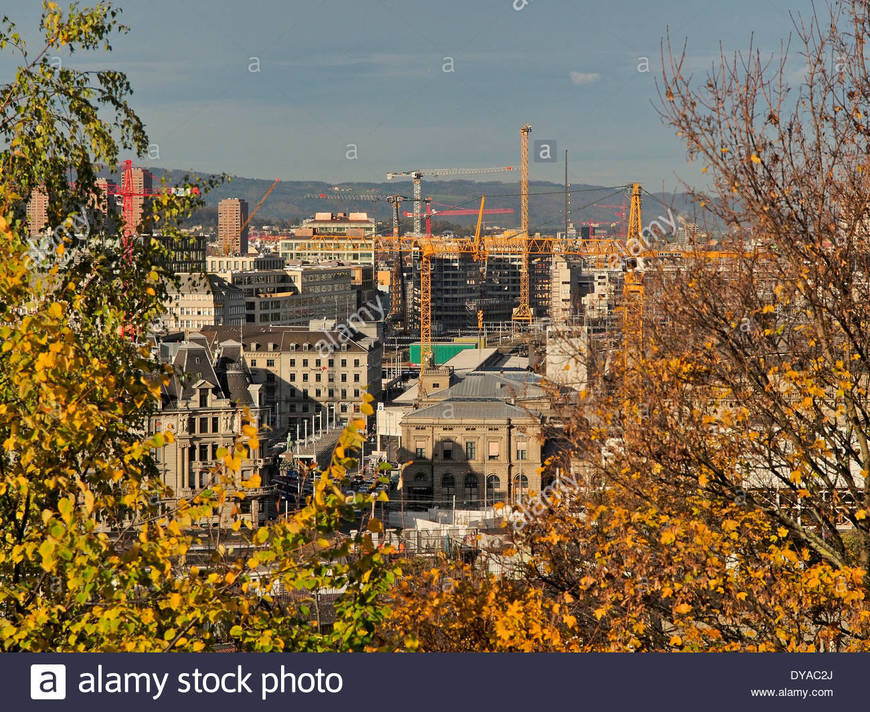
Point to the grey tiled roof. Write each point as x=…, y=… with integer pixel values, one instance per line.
x=517, y=385
x=282, y=336
x=469, y=410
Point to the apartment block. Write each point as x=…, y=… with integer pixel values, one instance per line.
x=200, y=300
x=309, y=377
x=37, y=212
x=347, y=237
x=232, y=216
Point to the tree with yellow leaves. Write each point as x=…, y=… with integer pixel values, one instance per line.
x=87, y=562
x=725, y=460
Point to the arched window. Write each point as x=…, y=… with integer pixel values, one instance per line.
x=493, y=487
x=521, y=487
x=448, y=483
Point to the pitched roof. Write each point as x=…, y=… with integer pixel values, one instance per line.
x=469, y=410
x=514, y=385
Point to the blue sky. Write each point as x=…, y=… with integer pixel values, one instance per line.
x=370, y=73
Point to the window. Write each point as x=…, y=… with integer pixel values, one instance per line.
x=317, y=362
x=447, y=452
x=191, y=480
x=521, y=484
x=493, y=485
x=203, y=425
x=293, y=377
x=317, y=376
x=344, y=378
x=305, y=363
x=331, y=362
x=270, y=363
x=493, y=451
x=471, y=481
x=522, y=453
x=305, y=377
x=356, y=362
x=470, y=450
x=419, y=452
x=292, y=363
x=448, y=484
x=203, y=397
x=292, y=407
x=203, y=452
x=191, y=425
x=214, y=449
x=343, y=393
x=344, y=363
x=214, y=424
x=253, y=363
x=356, y=378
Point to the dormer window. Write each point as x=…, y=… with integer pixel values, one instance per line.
x=203, y=397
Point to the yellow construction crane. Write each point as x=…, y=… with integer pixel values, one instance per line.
x=633, y=286
x=523, y=311
x=600, y=253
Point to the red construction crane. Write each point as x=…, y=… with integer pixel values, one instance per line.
x=127, y=193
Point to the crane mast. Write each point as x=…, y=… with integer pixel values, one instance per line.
x=523, y=311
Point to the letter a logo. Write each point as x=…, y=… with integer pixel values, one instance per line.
x=48, y=682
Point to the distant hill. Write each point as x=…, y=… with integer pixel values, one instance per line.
x=289, y=201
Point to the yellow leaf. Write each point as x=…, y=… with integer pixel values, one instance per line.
x=683, y=608
x=861, y=514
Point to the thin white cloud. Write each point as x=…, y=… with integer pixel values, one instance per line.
x=582, y=78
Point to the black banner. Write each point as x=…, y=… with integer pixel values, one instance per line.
x=446, y=683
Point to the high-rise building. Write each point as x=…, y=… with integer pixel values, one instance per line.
x=232, y=215
x=37, y=212
x=142, y=183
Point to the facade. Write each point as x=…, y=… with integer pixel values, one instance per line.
x=232, y=215
x=305, y=386
x=200, y=300
x=204, y=405
x=185, y=253
x=566, y=289
x=479, y=440
x=142, y=183
x=297, y=294
x=479, y=452
x=37, y=212
x=225, y=265
x=347, y=237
